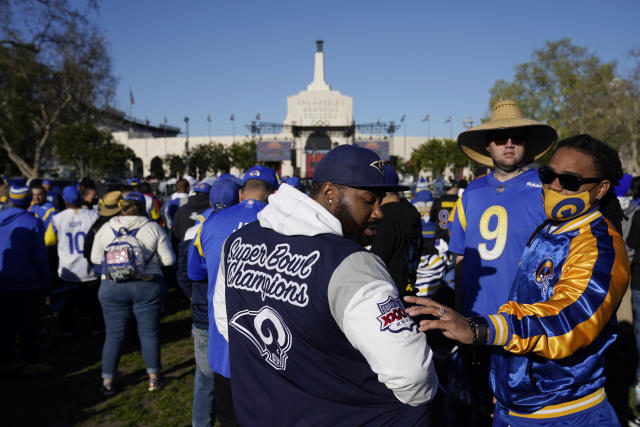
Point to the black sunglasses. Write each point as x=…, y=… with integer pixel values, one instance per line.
x=568, y=181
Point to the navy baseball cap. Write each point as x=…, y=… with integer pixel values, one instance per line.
x=354, y=166
x=203, y=187
x=262, y=173
x=71, y=195
x=133, y=181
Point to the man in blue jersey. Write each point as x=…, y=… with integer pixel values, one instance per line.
x=192, y=277
x=257, y=184
x=495, y=216
x=316, y=332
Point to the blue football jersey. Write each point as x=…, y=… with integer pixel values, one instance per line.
x=209, y=241
x=490, y=226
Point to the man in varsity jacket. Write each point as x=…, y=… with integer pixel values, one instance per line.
x=317, y=334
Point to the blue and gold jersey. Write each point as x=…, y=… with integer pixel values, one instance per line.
x=490, y=227
x=559, y=319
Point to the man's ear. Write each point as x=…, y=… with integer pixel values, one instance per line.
x=330, y=195
x=240, y=198
x=603, y=187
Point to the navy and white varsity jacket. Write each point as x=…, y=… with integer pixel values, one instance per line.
x=316, y=331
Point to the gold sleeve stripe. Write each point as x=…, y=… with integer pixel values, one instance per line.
x=197, y=242
x=459, y=212
x=567, y=408
x=50, y=237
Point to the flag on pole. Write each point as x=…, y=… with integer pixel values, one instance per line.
x=209, y=118
x=448, y=120
x=404, y=116
x=165, y=120
x=467, y=123
x=131, y=99
x=233, y=117
x=258, y=116
x=426, y=118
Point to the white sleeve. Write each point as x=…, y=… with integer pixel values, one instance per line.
x=364, y=302
x=220, y=302
x=165, y=253
x=97, y=249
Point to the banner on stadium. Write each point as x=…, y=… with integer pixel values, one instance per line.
x=381, y=148
x=312, y=161
x=273, y=151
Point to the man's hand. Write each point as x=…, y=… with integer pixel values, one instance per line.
x=453, y=325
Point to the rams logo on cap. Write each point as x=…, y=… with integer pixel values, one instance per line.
x=254, y=173
x=378, y=164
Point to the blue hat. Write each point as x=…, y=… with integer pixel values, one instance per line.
x=422, y=185
x=353, y=166
x=18, y=182
x=133, y=181
x=71, y=195
x=262, y=173
x=224, y=193
x=134, y=195
x=623, y=186
x=228, y=176
x=46, y=182
x=293, y=181
x=19, y=195
x=203, y=187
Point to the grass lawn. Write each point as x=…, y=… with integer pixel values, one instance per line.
x=69, y=394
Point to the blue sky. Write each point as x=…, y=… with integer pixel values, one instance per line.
x=195, y=58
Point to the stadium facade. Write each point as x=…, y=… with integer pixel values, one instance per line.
x=318, y=119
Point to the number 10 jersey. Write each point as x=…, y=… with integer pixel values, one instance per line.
x=490, y=226
x=68, y=230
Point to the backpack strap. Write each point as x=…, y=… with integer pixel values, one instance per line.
x=134, y=232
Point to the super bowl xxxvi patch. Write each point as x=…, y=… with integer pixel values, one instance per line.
x=392, y=317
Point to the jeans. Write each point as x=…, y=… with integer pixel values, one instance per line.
x=119, y=302
x=635, y=301
x=202, y=412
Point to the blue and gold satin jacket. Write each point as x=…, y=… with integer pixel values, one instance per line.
x=559, y=319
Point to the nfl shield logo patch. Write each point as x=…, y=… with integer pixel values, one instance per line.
x=392, y=317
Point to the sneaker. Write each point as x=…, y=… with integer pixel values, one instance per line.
x=155, y=384
x=634, y=421
x=107, y=389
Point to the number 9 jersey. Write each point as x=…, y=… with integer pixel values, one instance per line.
x=490, y=227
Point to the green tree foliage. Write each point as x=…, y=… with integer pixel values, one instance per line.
x=82, y=145
x=436, y=155
x=176, y=164
x=111, y=159
x=211, y=157
x=243, y=155
x=156, y=168
x=54, y=70
x=572, y=90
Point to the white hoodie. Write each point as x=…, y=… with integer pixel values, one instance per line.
x=402, y=360
x=152, y=237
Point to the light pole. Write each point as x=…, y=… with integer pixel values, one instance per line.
x=186, y=143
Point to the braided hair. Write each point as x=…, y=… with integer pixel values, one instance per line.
x=608, y=166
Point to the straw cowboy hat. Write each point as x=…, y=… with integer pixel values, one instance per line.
x=506, y=115
x=110, y=204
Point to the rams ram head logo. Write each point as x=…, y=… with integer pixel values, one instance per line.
x=378, y=164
